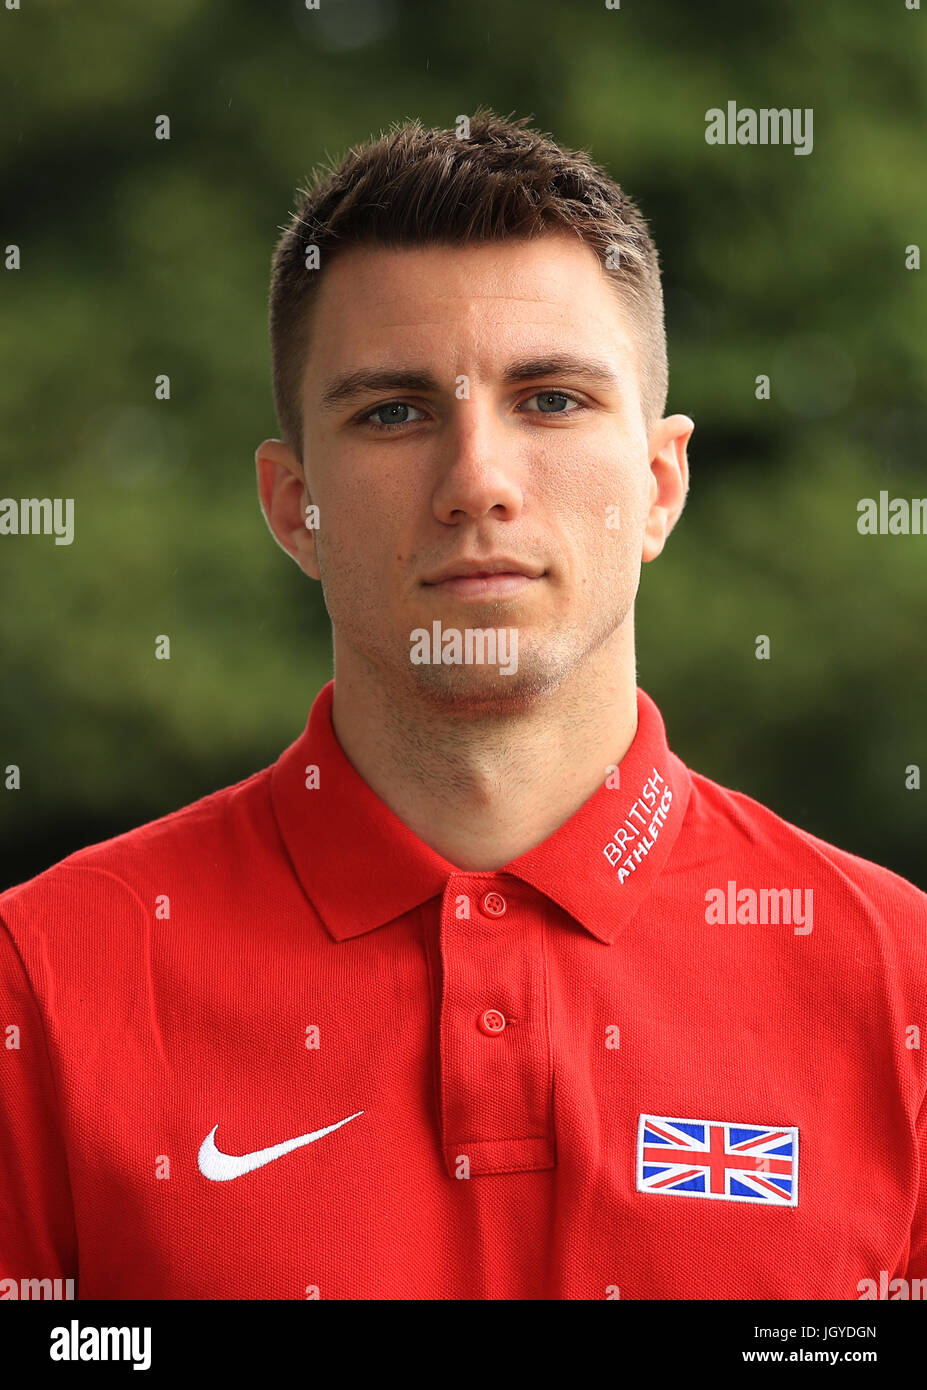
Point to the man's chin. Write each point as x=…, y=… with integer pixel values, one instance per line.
x=483, y=689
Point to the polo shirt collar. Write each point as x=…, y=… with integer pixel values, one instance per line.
x=361, y=867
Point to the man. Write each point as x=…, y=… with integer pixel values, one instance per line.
x=478, y=992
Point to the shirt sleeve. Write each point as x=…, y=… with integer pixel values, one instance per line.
x=38, y=1239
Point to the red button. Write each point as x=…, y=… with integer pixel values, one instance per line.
x=494, y=905
x=491, y=1022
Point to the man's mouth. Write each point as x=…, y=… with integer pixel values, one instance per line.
x=486, y=584
x=499, y=576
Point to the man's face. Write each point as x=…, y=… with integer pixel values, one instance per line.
x=491, y=456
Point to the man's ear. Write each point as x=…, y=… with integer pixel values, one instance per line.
x=286, y=503
x=669, y=480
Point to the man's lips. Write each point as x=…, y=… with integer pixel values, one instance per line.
x=499, y=584
x=477, y=568
x=494, y=576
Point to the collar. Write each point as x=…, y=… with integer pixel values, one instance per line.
x=361, y=867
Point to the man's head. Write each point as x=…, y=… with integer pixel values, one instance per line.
x=493, y=303
x=417, y=187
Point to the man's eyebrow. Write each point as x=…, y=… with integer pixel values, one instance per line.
x=562, y=364
x=340, y=390
x=343, y=389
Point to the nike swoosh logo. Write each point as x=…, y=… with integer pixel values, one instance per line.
x=219, y=1167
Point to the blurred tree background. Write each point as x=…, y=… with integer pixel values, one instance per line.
x=142, y=256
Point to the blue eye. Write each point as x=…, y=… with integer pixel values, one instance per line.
x=390, y=424
x=553, y=396
x=401, y=410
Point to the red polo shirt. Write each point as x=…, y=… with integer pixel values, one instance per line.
x=272, y=1046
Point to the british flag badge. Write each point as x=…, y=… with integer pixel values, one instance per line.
x=714, y=1158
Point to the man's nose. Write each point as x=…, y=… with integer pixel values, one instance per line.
x=479, y=473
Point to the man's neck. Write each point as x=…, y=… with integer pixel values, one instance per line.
x=482, y=789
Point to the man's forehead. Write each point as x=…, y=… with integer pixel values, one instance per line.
x=543, y=273
x=510, y=295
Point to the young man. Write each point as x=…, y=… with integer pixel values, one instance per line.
x=478, y=992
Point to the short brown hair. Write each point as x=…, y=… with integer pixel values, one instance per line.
x=414, y=186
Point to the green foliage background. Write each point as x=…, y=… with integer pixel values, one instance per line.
x=142, y=256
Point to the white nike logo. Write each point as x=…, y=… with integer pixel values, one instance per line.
x=220, y=1167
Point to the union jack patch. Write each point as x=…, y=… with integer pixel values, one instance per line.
x=711, y=1158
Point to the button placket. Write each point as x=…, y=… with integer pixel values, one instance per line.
x=496, y=1078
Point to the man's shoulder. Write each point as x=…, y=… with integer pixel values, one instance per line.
x=753, y=832
x=205, y=834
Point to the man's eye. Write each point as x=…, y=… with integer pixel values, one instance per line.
x=393, y=415
x=550, y=403
x=396, y=413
